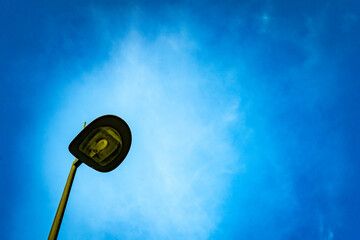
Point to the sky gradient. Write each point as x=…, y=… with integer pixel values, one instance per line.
x=244, y=116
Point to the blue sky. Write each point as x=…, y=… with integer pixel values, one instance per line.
x=244, y=117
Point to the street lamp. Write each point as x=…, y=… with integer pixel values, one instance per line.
x=102, y=145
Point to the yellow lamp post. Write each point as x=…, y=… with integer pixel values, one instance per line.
x=102, y=145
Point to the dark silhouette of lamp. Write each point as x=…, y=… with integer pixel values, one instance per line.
x=102, y=145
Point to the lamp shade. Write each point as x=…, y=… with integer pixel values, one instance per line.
x=103, y=144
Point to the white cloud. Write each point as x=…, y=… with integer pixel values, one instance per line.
x=181, y=162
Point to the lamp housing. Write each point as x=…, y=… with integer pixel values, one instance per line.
x=103, y=144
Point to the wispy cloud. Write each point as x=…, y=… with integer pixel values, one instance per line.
x=172, y=184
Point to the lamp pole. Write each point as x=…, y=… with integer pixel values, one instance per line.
x=62, y=205
x=64, y=198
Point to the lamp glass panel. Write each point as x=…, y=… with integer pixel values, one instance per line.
x=102, y=145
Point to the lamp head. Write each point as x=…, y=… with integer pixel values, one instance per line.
x=103, y=144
